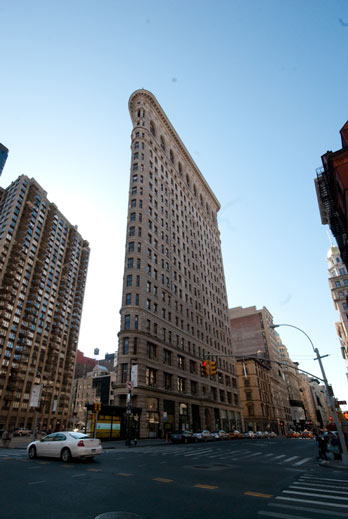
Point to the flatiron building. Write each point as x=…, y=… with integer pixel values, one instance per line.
x=174, y=306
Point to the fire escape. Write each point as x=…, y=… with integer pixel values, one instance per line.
x=332, y=215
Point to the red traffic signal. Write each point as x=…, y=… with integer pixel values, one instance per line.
x=281, y=424
x=345, y=414
x=330, y=418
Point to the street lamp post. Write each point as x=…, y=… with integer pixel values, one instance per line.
x=330, y=398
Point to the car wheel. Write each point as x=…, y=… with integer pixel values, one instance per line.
x=32, y=452
x=65, y=455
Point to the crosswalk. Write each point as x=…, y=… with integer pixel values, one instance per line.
x=219, y=453
x=310, y=496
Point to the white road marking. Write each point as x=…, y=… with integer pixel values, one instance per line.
x=314, y=495
x=289, y=459
x=301, y=462
x=311, y=501
x=319, y=490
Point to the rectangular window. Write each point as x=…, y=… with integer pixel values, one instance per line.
x=167, y=357
x=130, y=263
x=150, y=377
x=129, y=280
x=168, y=380
x=136, y=299
x=127, y=322
x=132, y=217
x=181, y=362
x=132, y=231
x=151, y=350
x=131, y=246
x=136, y=322
x=124, y=373
x=181, y=384
x=128, y=299
x=125, y=348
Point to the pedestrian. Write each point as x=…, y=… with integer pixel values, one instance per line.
x=335, y=446
x=5, y=438
x=322, y=446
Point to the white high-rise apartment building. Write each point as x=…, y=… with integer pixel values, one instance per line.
x=338, y=281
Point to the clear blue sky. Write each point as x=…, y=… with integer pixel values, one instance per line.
x=257, y=90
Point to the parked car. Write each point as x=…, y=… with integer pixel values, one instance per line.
x=259, y=435
x=203, y=436
x=272, y=434
x=22, y=431
x=220, y=435
x=292, y=434
x=182, y=437
x=306, y=435
x=65, y=445
x=249, y=435
x=236, y=435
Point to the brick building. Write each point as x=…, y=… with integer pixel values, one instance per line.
x=43, y=269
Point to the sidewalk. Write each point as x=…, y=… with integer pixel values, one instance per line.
x=334, y=464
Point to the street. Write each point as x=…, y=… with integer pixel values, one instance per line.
x=240, y=479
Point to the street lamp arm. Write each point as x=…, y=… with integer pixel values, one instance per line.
x=296, y=328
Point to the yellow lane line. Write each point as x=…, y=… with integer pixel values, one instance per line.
x=258, y=494
x=209, y=487
x=124, y=474
x=163, y=480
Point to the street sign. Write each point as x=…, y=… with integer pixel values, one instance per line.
x=341, y=402
x=129, y=385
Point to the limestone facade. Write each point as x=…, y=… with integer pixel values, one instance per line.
x=174, y=304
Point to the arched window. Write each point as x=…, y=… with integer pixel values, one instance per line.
x=180, y=168
x=163, y=144
x=201, y=200
x=152, y=129
x=187, y=180
x=171, y=156
x=194, y=190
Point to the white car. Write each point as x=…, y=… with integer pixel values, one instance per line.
x=203, y=436
x=220, y=435
x=65, y=445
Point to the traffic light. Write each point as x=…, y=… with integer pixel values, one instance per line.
x=281, y=424
x=212, y=366
x=97, y=406
x=345, y=414
x=204, y=368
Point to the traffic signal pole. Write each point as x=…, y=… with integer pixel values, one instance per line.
x=332, y=404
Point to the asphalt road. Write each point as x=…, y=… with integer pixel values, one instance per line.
x=243, y=479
